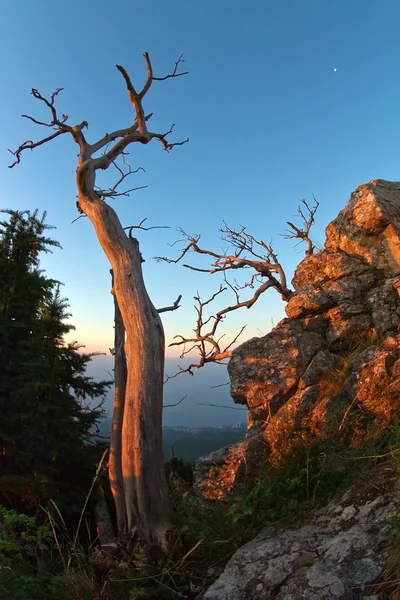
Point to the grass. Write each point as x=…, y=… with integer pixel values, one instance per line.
x=280, y=496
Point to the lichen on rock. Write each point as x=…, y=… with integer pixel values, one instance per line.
x=336, y=552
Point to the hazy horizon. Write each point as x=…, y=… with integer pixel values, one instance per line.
x=199, y=389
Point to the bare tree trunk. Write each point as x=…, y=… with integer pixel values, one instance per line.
x=105, y=530
x=136, y=461
x=145, y=491
x=115, y=460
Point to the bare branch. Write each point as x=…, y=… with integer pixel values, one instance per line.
x=260, y=257
x=77, y=218
x=74, y=130
x=188, y=369
x=174, y=72
x=112, y=192
x=244, y=251
x=50, y=103
x=135, y=99
x=161, y=137
x=104, y=161
x=29, y=144
x=109, y=194
x=140, y=226
x=111, y=137
x=192, y=242
x=174, y=306
x=58, y=124
x=247, y=253
x=137, y=132
x=176, y=403
x=302, y=233
x=235, y=339
x=204, y=342
x=149, y=79
x=220, y=406
x=37, y=122
x=208, y=347
x=220, y=385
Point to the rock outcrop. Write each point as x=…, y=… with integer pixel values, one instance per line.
x=329, y=363
x=329, y=372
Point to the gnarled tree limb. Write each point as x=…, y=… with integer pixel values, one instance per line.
x=244, y=252
x=174, y=306
x=88, y=165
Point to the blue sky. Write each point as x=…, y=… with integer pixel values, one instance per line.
x=269, y=121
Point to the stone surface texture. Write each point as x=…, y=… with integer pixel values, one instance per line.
x=335, y=553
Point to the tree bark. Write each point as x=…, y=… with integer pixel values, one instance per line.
x=144, y=486
x=115, y=460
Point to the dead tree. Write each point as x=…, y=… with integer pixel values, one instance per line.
x=244, y=252
x=136, y=465
x=303, y=233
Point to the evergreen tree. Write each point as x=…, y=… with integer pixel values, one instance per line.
x=45, y=394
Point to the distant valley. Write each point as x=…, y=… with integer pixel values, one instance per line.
x=189, y=443
x=207, y=419
x=207, y=400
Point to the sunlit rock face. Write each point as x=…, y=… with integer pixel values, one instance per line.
x=265, y=371
x=369, y=226
x=332, y=366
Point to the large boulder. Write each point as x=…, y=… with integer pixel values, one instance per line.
x=265, y=371
x=334, y=554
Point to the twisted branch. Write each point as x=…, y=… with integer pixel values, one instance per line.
x=247, y=253
x=121, y=139
x=244, y=252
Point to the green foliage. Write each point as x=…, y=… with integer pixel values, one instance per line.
x=16, y=585
x=47, y=562
x=45, y=393
x=32, y=563
x=22, y=538
x=25, y=548
x=176, y=468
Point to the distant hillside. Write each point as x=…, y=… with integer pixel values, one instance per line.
x=189, y=443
